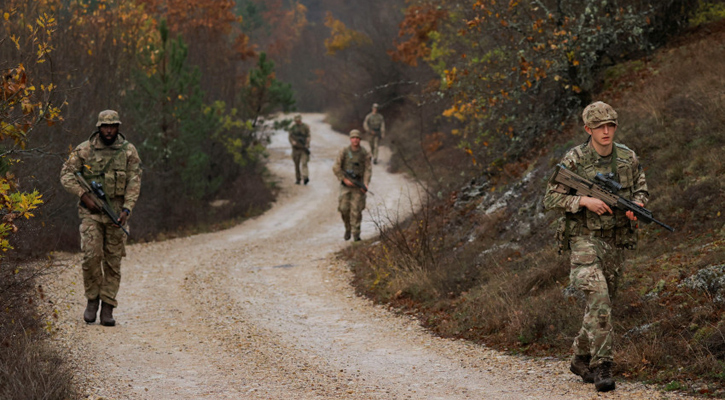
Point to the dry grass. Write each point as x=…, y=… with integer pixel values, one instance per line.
x=29, y=368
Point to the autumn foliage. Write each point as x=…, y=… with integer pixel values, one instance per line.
x=65, y=61
x=515, y=70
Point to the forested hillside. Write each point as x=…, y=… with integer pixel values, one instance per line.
x=479, y=261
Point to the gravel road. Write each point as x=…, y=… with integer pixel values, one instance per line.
x=264, y=311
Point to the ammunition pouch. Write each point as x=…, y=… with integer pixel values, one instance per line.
x=624, y=237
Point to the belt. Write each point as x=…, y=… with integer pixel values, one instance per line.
x=603, y=233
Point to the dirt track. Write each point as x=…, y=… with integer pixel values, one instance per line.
x=263, y=311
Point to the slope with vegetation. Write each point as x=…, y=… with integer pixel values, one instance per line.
x=479, y=261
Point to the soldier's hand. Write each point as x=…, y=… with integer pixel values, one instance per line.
x=87, y=200
x=630, y=214
x=123, y=217
x=595, y=205
x=347, y=182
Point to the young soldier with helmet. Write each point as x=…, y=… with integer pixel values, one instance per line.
x=299, y=138
x=597, y=237
x=353, y=168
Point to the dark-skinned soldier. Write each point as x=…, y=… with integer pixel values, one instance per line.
x=111, y=160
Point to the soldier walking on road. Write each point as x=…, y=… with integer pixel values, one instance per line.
x=374, y=125
x=597, y=237
x=353, y=169
x=111, y=160
x=299, y=138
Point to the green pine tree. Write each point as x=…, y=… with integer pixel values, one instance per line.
x=264, y=94
x=169, y=110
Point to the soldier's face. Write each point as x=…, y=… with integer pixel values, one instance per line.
x=109, y=133
x=355, y=142
x=602, y=135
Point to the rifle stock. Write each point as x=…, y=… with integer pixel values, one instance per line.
x=584, y=187
x=99, y=197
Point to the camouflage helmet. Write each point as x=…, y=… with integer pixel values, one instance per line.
x=375, y=105
x=598, y=114
x=355, y=133
x=108, y=117
x=298, y=117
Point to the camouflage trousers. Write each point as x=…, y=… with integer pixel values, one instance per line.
x=300, y=158
x=351, y=205
x=595, y=270
x=103, y=246
x=374, y=145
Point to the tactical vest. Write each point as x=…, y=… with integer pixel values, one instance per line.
x=299, y=134
x=375, y=122
x=616, y=225
x=107, y=166
x=354, y=162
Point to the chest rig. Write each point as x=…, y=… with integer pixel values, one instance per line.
x=375, y=122
x=299, y=134
x=619, y=167
x=354, y=162
x=107, y=166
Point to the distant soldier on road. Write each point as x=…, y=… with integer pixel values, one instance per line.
x=353, y=169
x=109, y=159
x=597, y=237
x=374, y=125
x=299, y=138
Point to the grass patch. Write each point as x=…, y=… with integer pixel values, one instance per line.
x=29, y=367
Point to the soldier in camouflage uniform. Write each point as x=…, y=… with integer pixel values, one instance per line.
x=374, y=125
x=109, y=159
x=597, y=236
x=299, y=138
x=353, y=163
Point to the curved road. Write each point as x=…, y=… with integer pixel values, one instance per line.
x=264, y=311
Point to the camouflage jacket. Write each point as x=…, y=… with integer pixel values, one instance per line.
x=586, y=162
x=374, y=122
x=357, y=162
x=299, y=136
x=116, y=167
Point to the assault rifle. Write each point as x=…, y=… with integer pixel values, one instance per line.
x=604, y=188
x=352, y=177
x=99, y=197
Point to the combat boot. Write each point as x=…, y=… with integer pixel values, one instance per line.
x=580, y=366
x=356, y=238
x=107, y=315
x=347, y=235
x=603, y=380
x=307, y=180
x=91, y=311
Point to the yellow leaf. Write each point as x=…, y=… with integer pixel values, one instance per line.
x=6, y=16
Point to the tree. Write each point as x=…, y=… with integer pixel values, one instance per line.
x=168, y=107
x=25, y=44
x=263, y=93
x=516, y=70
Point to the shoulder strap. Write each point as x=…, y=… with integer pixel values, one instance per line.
x=123, y=147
